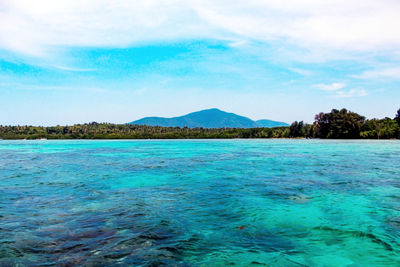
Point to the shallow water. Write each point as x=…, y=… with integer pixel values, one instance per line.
x=200, y=203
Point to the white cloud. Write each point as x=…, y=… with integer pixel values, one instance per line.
x=238, y=43
x=66, y=68
x=389, y=73
x=330, y=87
x=351, y=93
x=301, y=71
x=338, y=92
x=32, y=27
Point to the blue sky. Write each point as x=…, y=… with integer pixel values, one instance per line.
x=117, y=61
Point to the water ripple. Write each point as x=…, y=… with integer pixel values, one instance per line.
x=199, y=203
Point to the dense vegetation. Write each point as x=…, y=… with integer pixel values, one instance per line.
x=344, y=124
x=126, y=131
x=335, y=124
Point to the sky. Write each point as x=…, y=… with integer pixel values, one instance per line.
x=69, y=61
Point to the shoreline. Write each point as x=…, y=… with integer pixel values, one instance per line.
x=182, y=139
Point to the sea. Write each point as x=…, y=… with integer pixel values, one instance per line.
x=254, y=202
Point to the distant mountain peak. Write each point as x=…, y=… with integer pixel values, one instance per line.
x=211, y=109
x=208, y=118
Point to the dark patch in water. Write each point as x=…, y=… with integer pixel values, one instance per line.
x=116, y=255
x=395, y=222
x=172, y=250
x=359, y=234
x=258, y=263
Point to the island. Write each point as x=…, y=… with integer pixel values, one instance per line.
x=337, y=124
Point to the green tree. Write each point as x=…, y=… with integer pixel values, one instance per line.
x=380, y=129
x=297, y=129
x=338, y=124
x=397, y=118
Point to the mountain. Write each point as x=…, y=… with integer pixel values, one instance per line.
x=209, y=118
x=270, y=124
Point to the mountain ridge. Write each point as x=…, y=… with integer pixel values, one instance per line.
x=208, y=118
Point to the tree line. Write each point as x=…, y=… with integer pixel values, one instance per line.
x=342, y=124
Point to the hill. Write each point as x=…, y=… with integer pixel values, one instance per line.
x=270, y=124
x=209, y=118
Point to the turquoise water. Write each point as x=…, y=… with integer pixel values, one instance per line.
x=200, y=203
